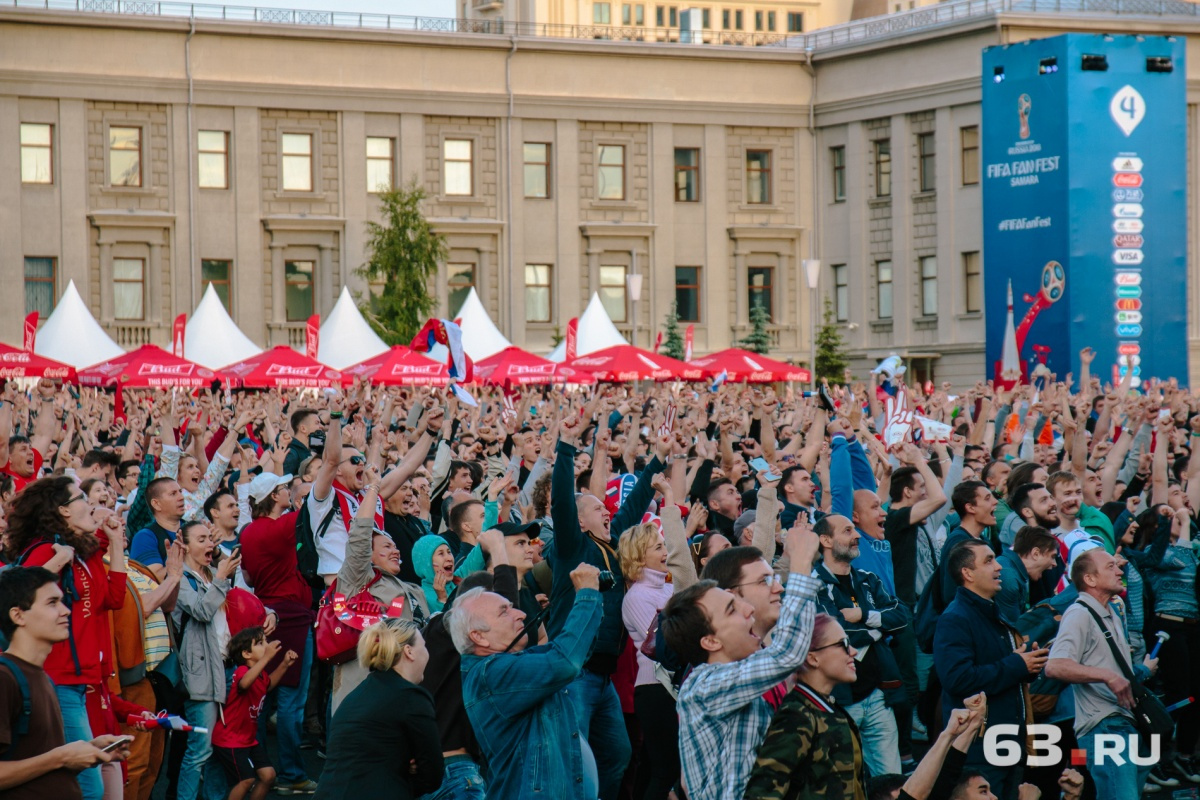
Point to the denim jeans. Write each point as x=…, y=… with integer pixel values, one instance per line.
x=598, y=713
x=1115, y=782
x=460, y=781
x=287, y=703
x=197, y=759
x=877, y=726
x=72, y=701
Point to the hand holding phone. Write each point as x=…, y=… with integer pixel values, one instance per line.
x=117, y=744
x=760, y=465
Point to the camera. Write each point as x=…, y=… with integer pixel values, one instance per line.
x=607, y=580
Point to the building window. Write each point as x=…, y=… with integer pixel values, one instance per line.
x=795, y=22
x=601, y=13
x=725, y=19
x=639, y=15
x=883, y=289
x=37, y=153
x=758, y=20
x=129, y=288
x=380, y=164
x=761, y=290
x=537, y=292
x=460, y=278
x=841, y=292
x=458, y=156
x=612, y=292
x=687, y=174
x=771, y=21
x=970, y=155
x=626, y=14
x=125, y=157
x=928, y=171
x=297, y=161
x=973, y=281
x=687, y=293
x=673, y=16
x=883, y=168
x=298, y=290
x=929, y=305
x=758, y=176
x=610, y=175
x=837, y=156
x=738, y=19
x=706, y=18
x=216, y=273
x=39, y=286
x=537, y=169
x=660, y=15
x=213, y=157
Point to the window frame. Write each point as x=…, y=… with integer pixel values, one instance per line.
x=970, y=155
x=48, y=148
x=882, y=150
x=759, y=20
x=689, y=287
x=453, y=286
x=548, y=286
x=201, y=152
x=837, y=160
x=928, y=281
x=312, y=289
x=141, y=157
x=926, y=162
x=841, y=293
x=597, y=7
x=771, y=20
x=624, y=287
x=52, y=281
x=972, y=278
x=795, y=17
x=601, y=167
x=767, y=289
x=376, y=160
x=546, y=165
x=285, y=158
x=739, y=19
x=627, y=14
x=694, y=169
x=447, y=161
x=890, y=283
x=227, y=282
x=764, y=174
x=119, y=281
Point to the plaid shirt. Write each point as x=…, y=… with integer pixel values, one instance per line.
x=722, y=714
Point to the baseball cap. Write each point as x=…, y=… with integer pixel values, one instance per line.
x=265, y=483
x=531, y=529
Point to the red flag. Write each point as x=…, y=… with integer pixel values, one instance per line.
x=31, y=322
x=572, y=337
x=658, y=341
x=687, y=342
x=312, y=335
x=177, y=331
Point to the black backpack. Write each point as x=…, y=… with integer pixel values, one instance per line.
x=22, y=726
x=306, y=542
x=930, y=606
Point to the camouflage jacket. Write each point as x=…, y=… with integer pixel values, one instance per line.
x=812, y=750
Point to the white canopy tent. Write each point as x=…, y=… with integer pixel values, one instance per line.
x=596, y=331
x=211, y=338
x=480, y=336
x=346, y=338
x=72, y=335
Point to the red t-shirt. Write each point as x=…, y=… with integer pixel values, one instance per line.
x=269, y=560
x=237, y=724
x=20, y=482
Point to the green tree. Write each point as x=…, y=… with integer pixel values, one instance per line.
x=404, y=255
x=759, y=340
x=672, y=340
x=831, y=349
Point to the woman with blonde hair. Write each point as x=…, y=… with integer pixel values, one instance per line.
x=383, y=741
x=648, y=558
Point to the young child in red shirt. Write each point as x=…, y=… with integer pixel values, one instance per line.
x=235, y=737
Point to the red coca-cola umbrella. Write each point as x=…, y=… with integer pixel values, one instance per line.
x=512, y=366
x=742, y=366
x=284, y=368
x=148, y=367
x=15, y=363
x=624, y=362
x=399, y=366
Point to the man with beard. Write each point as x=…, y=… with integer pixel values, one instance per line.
x=857, y=600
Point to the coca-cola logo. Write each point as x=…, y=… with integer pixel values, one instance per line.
x=591, y=362
x=1127, y=179
x=16, y=358
x=288, y=371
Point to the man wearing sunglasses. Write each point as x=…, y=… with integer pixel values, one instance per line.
x=858, y=601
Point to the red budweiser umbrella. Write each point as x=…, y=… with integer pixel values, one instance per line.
x=624, y=362
x=742, y=366
x=148, y=367
x=399, y=366
x=282, y=367
x=513, y=366
x=16, y=363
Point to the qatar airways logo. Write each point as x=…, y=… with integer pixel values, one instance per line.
x=166, y=370
x=285, y=371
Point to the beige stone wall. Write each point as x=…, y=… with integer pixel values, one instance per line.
x=483, y=134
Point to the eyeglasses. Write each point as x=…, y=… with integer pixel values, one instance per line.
x=357, y=461
x=73, y=499
x=844, y=644
x=767, y=580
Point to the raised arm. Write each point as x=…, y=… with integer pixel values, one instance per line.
x=935, y=495
x=414, y=458
x=46, y=424
x=323, y=484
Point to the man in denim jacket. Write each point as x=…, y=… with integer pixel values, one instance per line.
x=517, y=699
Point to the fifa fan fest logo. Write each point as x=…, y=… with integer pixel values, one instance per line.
x=1024, y=104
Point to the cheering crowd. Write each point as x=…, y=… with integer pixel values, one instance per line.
x=659, y=591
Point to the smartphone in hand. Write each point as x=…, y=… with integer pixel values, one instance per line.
x=760, y=465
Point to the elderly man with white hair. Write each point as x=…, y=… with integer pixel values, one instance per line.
x=516, y=696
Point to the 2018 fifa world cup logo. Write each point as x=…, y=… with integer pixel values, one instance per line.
x=1024, y=104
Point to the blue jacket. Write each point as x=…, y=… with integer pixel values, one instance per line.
x=521, y=713
x=1013, y=598
x=973, y=651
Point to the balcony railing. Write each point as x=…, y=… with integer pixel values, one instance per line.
x=859, y=31
x=131, y=335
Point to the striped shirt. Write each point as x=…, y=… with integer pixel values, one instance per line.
x=722, y=714
x=158, y=641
